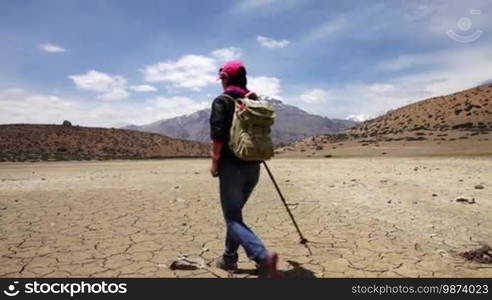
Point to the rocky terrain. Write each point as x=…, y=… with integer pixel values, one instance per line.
x=459, y=123
x=363, y=217
x=291, y=124
x=28, y=142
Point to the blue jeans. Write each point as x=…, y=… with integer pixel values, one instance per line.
x=237, y=180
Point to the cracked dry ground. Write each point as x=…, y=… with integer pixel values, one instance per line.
x=365, y=217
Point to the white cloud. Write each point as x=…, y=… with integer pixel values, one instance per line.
x=327, y=29
x=451, y=71
x=250, y=5
x=271, y=43
x=114, y=94
x=13, y=92
x=143, y=88
x=263, y=7
x=51, y=48
x=190, y=71
x=416, y=10
x=400, y=63
x=360, y=117
x=168, y=107
x=315, y=96
x=95, y=81
x=448, y=71
x=412, y=60
x=225, y=54
x=381, y=88
x=263, y=85
x=112, y=87
x=19, y=106
x=363, y=100
x=433, y=74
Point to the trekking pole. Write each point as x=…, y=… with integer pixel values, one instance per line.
x=303, y=239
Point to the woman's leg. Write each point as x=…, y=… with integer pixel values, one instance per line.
x=236, y=184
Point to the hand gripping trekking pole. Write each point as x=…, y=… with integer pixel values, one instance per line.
x=303, y=239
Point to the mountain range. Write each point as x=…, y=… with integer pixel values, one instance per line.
x=291, y=124
x=454, y=124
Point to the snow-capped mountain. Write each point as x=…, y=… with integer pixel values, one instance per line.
x=291, y=124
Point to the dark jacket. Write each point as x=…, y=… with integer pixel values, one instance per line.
x=221, y=121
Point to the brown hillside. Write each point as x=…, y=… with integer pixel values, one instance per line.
x=458, y=123
x=26, y=142
x=469, y=109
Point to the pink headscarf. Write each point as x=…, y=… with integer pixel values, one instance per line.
x=231, y=68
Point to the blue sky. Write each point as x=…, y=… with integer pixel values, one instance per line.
x=108, y=63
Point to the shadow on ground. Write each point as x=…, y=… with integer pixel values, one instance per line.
x=296, y=271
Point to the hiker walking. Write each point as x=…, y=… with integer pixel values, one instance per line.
x=237, y=176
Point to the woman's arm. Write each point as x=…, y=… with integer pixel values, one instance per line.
x=215, y=154
x=218, y=133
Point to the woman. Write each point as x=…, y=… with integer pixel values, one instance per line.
x=237, y=178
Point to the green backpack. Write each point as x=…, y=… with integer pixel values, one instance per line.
x=250, y=130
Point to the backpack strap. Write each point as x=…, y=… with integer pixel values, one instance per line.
x=247, y=96
x=235, y=100
x=229, y=97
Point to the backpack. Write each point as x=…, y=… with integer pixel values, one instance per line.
x=250, y=130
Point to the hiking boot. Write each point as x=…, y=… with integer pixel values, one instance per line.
x=226, y=264
x=267, y=268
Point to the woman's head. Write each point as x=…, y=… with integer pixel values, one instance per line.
x=233, y=73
